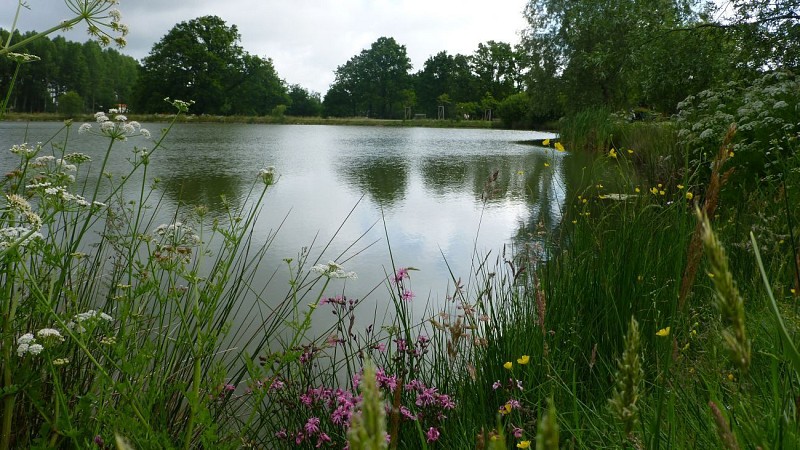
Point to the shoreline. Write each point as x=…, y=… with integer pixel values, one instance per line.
x=286, y=120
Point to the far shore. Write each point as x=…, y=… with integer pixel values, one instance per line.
x=285, y=120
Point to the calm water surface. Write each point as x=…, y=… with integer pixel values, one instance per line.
x=426, y=185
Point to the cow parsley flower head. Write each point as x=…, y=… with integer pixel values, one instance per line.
x=49, y=333
x=18, y=236
x=27, y=344
x=25, y=150
x=333, y=270
x=178, y=233
x=26, y=338
x=22, y=57
x=119, y=128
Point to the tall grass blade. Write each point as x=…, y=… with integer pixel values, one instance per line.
x=789, y=347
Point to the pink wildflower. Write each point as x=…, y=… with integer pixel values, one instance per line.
x=322, y=439
x=432, y=434
x=402, y=274
x=312, y=426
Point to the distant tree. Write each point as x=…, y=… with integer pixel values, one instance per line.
x=303, y=103
x=443, y=103
x=513, y=110
x=767, y=32
x=255, y=88
x=468, y=110
x=598, y=51
x=496, y=67
x=102, y=77
x=338, y=102
x=70, y=104
x=201, y=60
x=372, y=82
x=444, y=74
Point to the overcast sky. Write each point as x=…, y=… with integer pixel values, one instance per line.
x=308, y=39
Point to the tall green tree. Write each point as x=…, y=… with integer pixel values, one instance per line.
x=767, y=32
x=372, y=83
x=201, y=60
x=445, y=74
x=255, y=89
x=597, y=51
x=496, y=66
x=303, y=102
x=103, y=77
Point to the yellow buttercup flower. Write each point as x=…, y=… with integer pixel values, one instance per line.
x=680, y=187
x=546, y=142
x=689, y=196
x=547, y=164
x=630, y=152
x=663, y=332
x=524, y=359
x=637, y=190
x=559, y=147
x=654, y=190
x=612, y=153
x=505, y=409
x=508, y=365
x=524, y=444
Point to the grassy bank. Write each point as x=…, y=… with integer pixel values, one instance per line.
x=626, y=326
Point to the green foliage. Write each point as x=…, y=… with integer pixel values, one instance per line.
x=202, y=59
x=766, y=33
x=590, y=130
x=513, y=110
x=303, y=103
x=496, y=68
x=444, y=74
x=372, y=83
x=70, y=104
x=765, y=114
x=618, y=54
x=102, y=77
x=363, y=87
x=278, y=111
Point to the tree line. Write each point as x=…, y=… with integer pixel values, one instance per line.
x=577, y=54
x=67, y=72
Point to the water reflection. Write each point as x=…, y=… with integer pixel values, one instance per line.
x=425, y=188
x=444, y=175
x=210, y=190
x=384, y=179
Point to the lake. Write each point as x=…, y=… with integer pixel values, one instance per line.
x=420, y=191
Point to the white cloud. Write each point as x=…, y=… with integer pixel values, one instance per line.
x=308, y=39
